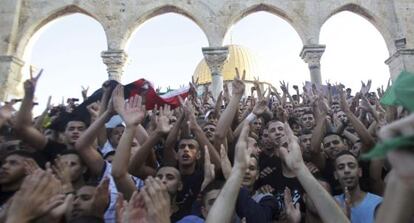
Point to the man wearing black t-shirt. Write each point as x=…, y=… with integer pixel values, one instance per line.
x=191, y=176
x=12, y=174
x=74, y=127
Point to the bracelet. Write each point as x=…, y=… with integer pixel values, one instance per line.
x=251, y=117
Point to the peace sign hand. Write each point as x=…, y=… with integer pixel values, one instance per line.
x=30, y=84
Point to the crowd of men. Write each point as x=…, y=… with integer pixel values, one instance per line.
x=261, y=156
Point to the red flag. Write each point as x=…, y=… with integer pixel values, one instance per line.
x=145, y=89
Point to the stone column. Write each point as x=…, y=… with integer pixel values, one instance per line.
x=312, y=54
x=401, y=60
x=215, y=58
x=115, y=61
x=10, y=78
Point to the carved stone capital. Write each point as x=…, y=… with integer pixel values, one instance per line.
x=312, y=54
x=215, y=58
x=115, y=61
x=401, y=60
x=10, y=80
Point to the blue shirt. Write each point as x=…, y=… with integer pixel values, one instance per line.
x=364, y=211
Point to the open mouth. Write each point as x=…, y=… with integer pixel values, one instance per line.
x=186, y=157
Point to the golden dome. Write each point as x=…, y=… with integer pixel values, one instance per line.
x=240, y=57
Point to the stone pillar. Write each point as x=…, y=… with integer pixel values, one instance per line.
x=10, y=78
x=401, y=60
x=215, y=58
x=312, y=54
x=115, y=61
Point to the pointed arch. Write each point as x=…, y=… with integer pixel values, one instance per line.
x=160, y=11
x=44, y=20
x=368, y=15
x=272, y=10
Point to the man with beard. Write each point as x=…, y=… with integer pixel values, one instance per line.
x=361, y=204
x=12, y=173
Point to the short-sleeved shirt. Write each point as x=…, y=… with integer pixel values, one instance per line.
x=272, y=163
x=364, y=211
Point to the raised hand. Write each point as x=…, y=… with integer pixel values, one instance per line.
x=292, y=210
x=62, y=172
x=33, y=198
x=163, y=120
x=260, y=107
x=30, y=166
x=209, y=172
x=342, y=99
x=242, y=154
x=365, y=87
x=284, y=86
x=84, y=92
x=132, y=112
x=30, y=84
x=238, y=85
x=225, y=162
x=135, y=209
x=93, y=109
x=290, y=151
x=157, y=201
x=100, y=199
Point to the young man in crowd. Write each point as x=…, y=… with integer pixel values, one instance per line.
x=360, y=204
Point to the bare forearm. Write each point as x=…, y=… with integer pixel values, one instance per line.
x=227, y=117
x=120, y=163
x=350, y=136
x=89, y=136
x=398, y=203
x=363, y=133
x=102, y=137
x=203, y=141
x=123, y=152
x=141, y=155
x=317, y=135
x=24, y=116
x=327, y=208
x=170, y=142
x=141, y=134
x=224, y=205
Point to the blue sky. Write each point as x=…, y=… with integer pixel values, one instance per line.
x=166, y=49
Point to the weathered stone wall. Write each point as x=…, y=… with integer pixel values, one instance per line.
x=20, y=19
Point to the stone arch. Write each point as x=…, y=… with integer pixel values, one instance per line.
x=30, y=30
x=160, y=11
x=377, y=22
x=272, y=10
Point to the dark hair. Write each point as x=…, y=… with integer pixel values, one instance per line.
x=307, y=112
x=305, y=132
x=39, y=159
x=335, y=134
x=213, y=185
x=71, y=152
x=343, y=153
x=293, y=121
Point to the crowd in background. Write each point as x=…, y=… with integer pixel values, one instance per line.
x=249, y=155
